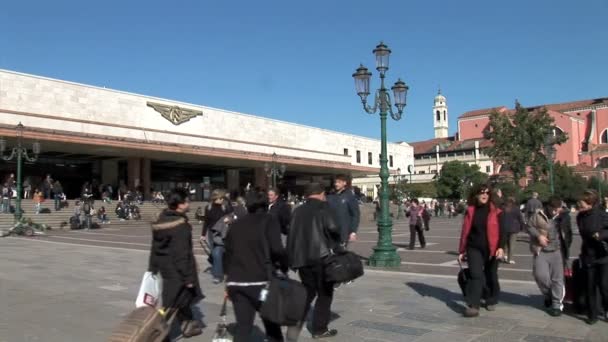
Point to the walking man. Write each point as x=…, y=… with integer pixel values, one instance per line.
x=415, y=215
x=346, y=207
x=313, y=234
x=550, y=239
x=533, y=205
x=279, y=209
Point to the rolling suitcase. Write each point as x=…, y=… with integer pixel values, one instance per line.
x=146, y=324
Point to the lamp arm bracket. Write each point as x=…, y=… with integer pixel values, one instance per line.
x=28, y=158
x=372, y=110
x=11, y=156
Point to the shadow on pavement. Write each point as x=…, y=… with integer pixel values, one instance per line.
x=451, y=299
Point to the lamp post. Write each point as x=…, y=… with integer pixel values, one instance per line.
x=274, y=171
x=550, y=154
x=600, y=177
x=19, y=152
x=397, y=177
x=385, y=253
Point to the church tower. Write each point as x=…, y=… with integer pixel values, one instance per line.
x=440, y=116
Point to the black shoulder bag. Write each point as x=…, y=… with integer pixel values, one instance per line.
x=285, y=302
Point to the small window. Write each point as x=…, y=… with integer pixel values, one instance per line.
x=422, y=172
x=359, y=157
x=369, y=158
x=390, y=161
x=438, y=116
x=488, y=169
x=345, y=151
x=445, y=115
x=434, y=171
x=604, y=137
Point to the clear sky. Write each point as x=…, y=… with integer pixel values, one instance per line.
x=293, y=60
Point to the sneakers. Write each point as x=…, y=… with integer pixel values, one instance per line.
x=471, y=312
x=326, y=334
x=491, y=307
x=554, y=312
x=512, y=262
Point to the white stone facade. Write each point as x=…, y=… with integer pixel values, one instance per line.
x=62, y=106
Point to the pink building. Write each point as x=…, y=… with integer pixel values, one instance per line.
x=585, y=122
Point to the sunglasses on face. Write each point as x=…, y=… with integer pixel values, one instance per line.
x=484, y=192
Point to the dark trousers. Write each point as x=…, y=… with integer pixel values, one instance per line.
x=246, y=302
x=484, y=278
x=597, y=281
x=314, y=280
x=416, y=229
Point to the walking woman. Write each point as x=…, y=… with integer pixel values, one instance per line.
x=415, y=215
x=593, y=227
x=251, y=240
x=512, y=222
x=172, y=255
x=481, y=241
x=217, y=209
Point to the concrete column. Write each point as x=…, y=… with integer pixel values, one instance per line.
x=233, y=181
x=260, y=178
x=146, y=176
x=134, y=172
x=109, y=172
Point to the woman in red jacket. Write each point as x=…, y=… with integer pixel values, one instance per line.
x=481, y=241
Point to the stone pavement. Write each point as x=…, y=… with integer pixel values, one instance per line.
x=52, y=291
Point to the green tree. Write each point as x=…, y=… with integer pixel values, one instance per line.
x=568, y=186
x=456, y=179
x=518, y=140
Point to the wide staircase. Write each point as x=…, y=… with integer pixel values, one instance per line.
x=59, y=219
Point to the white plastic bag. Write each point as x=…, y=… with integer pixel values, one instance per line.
x=150, y=291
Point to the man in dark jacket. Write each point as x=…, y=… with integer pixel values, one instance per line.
x=251, y=240
x=592, y=223
x=279, y=209
x=313, y=234
x=171, y=254
x=346, y=207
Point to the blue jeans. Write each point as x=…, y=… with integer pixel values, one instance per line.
x=57, y=202
x=217, y=269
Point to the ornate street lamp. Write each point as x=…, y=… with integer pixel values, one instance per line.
x=397, y=177
x=385, y=253
x=19, y=152
x=273, y=170
x=550, y=154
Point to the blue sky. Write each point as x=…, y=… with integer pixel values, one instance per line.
x=293, y=60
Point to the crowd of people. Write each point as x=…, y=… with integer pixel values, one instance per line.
x=489, y=231
x=246, y=237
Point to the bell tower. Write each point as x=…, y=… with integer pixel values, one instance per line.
x=440, y=116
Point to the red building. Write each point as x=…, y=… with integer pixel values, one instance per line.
x=585, y=122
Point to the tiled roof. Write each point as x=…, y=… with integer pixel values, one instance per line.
x=428, y=146
x=482, y=112
x=558, y=107
x=448, y=145
x=561, y=107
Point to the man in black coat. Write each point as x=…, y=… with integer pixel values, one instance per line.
x=346, y=207
x=279, y=209
x=172, y=255
x=312, y=236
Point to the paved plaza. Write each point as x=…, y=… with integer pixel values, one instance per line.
x=76, y=286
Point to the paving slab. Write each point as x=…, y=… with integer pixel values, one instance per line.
x=70, y=292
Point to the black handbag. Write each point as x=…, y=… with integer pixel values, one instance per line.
x=285, y=302
x=342, y=267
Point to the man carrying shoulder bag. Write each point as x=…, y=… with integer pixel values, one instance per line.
x=313, y=235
